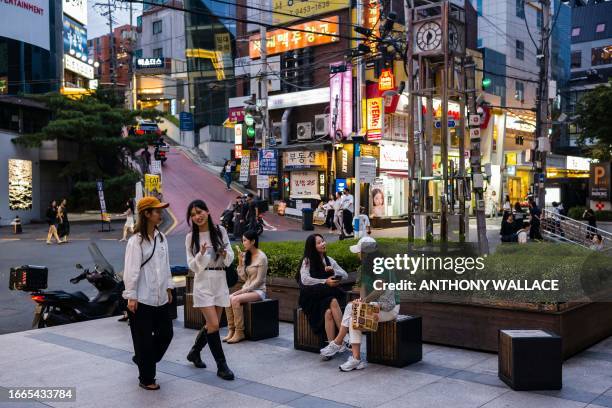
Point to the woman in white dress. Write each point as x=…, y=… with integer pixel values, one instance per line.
x=208, y=254
x=129, y=220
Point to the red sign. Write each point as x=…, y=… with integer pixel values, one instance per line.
x=236, y=114
x=283, y=40
x=600, y=206
x=386, y=81
x=390, y=102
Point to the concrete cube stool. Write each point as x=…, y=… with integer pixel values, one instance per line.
x=530, y=359
x=304, y=338
x=261, y=319
x=396, y=343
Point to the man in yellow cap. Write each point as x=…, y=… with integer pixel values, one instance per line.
x=148, y=286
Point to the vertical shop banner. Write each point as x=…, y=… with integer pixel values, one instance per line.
x=155, y=167
x=600, y=181
x=304, y=184
x=245, y=164
x=374, y=118
x=254, y=166
x=341, y=101
x=268, y=162
x=377, y=198
x=103, y=214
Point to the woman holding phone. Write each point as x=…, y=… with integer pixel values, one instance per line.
x=148, y=290
x=319, y=278
x=252, y=269
x=208, y=254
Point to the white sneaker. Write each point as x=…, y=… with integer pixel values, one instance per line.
x=352, y=364
x=332, y=349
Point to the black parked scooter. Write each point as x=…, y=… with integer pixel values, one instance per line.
x=54, y=308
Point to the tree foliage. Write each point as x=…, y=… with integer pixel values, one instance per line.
x=93, y=127
x=595, y=122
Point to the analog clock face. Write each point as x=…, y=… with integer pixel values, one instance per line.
x=454, y=39
x=429, y=36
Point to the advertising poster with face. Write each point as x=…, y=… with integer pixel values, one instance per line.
x=377, y=199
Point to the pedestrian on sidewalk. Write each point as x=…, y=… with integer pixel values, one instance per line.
x=507, y=207
x=338, y=213
x=329, y=212
x=227, y=174
x=348, y=209
x=129, y=220
x=252, y=269
x=387, y=301
x=51, y=216
x=589, y=215
x=493, y=204
x=364, y=224
x=148, y=290
x=319, y=278
x=63, y=229
x=534, y=221
x=209, y=252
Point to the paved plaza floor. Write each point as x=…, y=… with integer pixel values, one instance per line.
x=95, y=357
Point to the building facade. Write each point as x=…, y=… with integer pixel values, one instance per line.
x=100, y=51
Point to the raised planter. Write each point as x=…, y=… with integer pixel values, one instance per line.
x=475, y=326
x=287, y=292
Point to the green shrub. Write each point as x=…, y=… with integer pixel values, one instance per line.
x=576, y=212
x=605, y=215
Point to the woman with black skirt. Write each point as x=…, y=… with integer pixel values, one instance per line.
x=51, y=216
x=321, y=298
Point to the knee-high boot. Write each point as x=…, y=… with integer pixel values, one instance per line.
x=239, y=325
x=194, y=354
x=230, y=323
x=223, y=371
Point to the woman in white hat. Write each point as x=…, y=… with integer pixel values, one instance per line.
x=385, y=299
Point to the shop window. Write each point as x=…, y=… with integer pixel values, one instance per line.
x=158, y=53
x=540, y=19
x=519, y=91
x=520, y=8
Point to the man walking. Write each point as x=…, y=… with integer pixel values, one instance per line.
x=347, y=206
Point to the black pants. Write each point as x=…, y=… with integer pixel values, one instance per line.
x=151, y=329
x=329, y=220
x=347, y=221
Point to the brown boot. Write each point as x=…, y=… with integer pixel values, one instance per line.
x=239, y=325
x=230, y=323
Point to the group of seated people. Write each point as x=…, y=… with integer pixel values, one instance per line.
x=514, y=229
x=323, y=300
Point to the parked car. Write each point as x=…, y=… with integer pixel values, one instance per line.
x=145, y=127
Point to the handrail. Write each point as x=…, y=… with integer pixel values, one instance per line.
x=568, y=229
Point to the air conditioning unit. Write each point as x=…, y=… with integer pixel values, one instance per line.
x=321, y=125
x=277, y=131
x=304, y=131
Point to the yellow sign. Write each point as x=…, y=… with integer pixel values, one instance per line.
x=374, y=118
x=304, y=160
x=291, y=10
x=153, y=183
x=386, y=82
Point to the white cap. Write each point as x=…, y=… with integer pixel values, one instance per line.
x=365, y=244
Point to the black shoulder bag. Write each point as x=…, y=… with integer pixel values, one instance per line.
x=231, y=272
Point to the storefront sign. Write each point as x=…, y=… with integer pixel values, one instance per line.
x=369, y=150
x=186, y=121
x=578, y=163
x=367, y=169
x=156, y=167
x=236, y=114
x=77, y=9
x=371, y=20
x=341, y=102
x=386, y=81
x=279, y=41
x=153, y=183
x=285, y=11
x=453, y=109
x=263, y=181
x=304, y=160
x=244, y=166
x=304, y=184
x=79, y=67
x=302, y=98
x=142, y=63
x=344, y=161
x=26, y=21
x=600, y=181
x=75, y=38
x=268, y=162
x=103, y=214
x=223, y=43
x=374, y=118
x=393, y=156
x=253, y=166
x=238, y=151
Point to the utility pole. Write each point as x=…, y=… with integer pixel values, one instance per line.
x=411, y=118
x=360, y=94
x=444, y=127
x=111, y=38
x=542, y=114
x=263, y=92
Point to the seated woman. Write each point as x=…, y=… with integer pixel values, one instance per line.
x=508, y=229
x=252, y=269
x=320, y=297
x=387, y=300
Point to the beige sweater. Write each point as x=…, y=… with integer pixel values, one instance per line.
x=254, y=275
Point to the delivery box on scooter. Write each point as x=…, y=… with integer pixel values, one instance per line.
x=28, y=278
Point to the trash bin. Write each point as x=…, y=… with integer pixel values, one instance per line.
x=307, y=214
